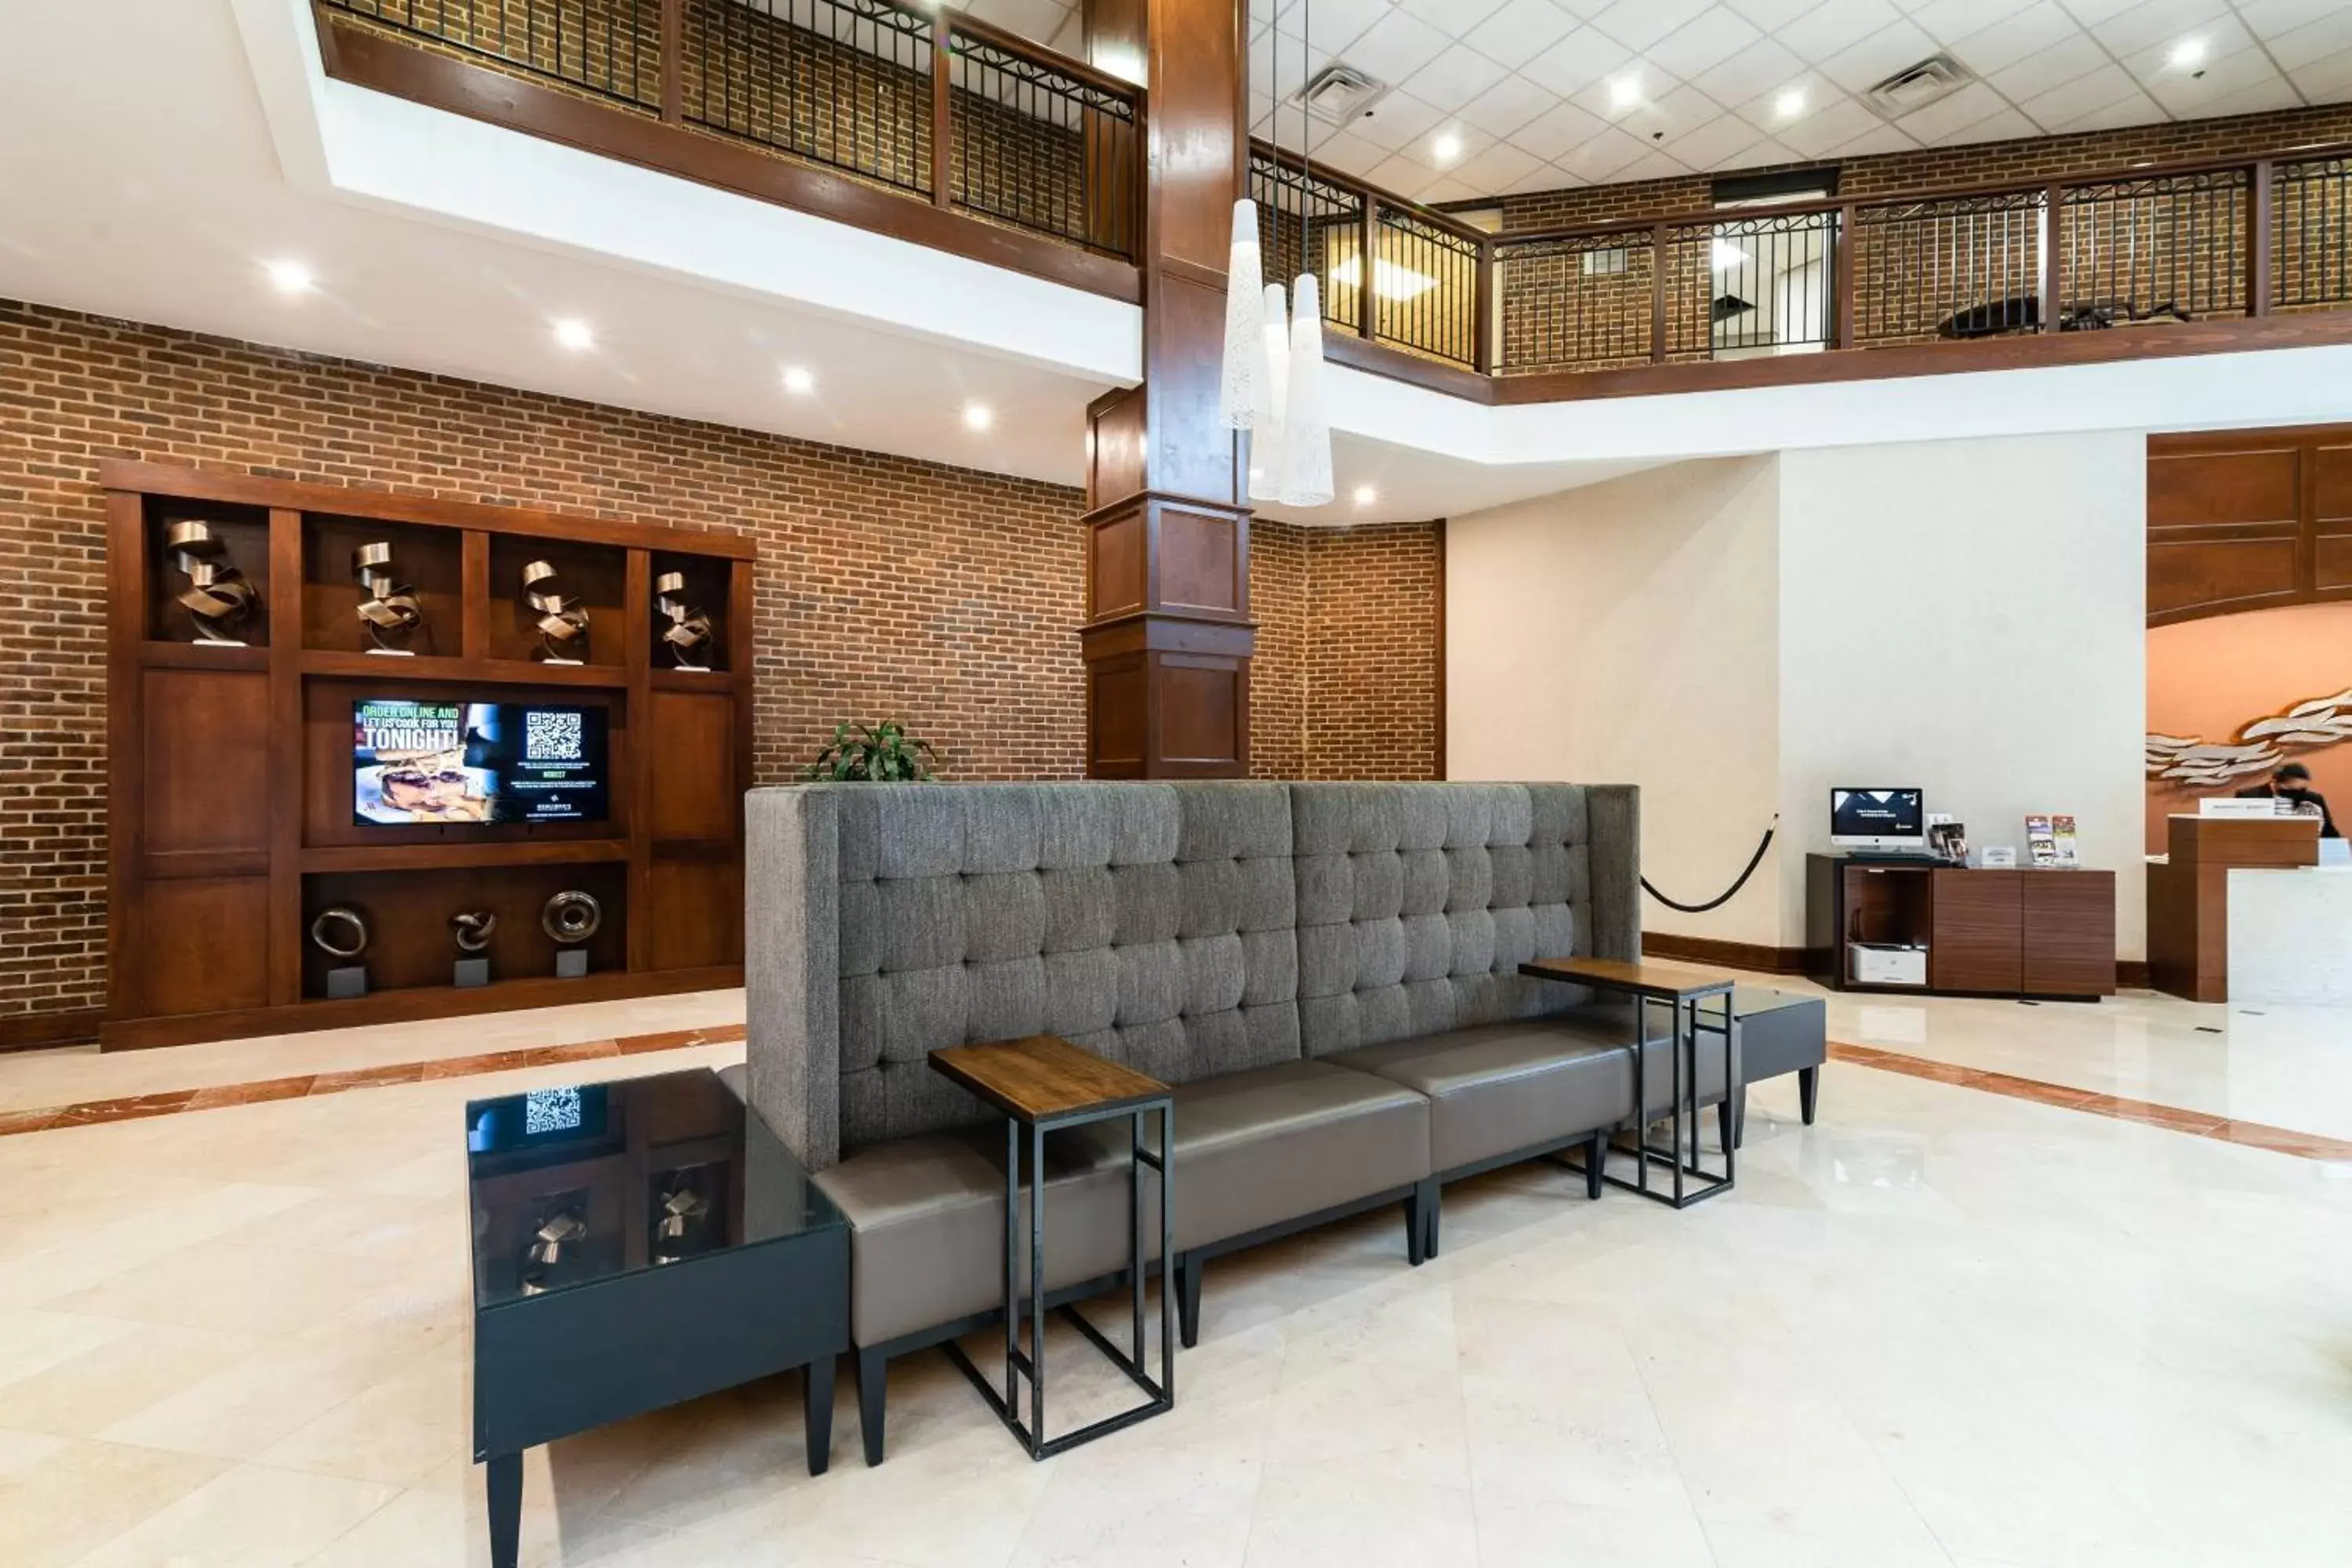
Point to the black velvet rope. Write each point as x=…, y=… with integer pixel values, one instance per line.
x=1753, y=861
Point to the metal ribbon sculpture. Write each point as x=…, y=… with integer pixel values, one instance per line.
x=218, y=598
x=572, y=916
x=561, y=620
x=2260, y=746
x=391, y=610
x=473, y=928
x=689, y=629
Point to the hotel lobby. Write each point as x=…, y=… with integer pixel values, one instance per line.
x=1199, y=781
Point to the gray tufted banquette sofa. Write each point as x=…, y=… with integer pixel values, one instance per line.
x=1328, y=973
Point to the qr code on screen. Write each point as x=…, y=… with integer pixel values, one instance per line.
x=550, y=1110
x=551, y=736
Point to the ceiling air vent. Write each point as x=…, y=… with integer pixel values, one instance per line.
x=1916, y=86
x=1339, y=93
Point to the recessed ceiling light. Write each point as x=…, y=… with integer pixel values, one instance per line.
x=574, y=333
x=1447, y=147
x=1789, y=104
x=1366, y=495
x=2188, y=54
x=978, y=417
x=289, y=277
x=798, y=381
x=1625, y=91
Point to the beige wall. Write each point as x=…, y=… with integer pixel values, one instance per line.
x=1968, y=617
x=1627, y=634
x=1738, y=635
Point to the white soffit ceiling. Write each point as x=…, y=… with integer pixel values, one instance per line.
x=1501, y=97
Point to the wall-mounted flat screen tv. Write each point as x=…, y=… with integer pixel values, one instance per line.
x=418, y=763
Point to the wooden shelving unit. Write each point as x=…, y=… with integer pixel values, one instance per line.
x=229, y=821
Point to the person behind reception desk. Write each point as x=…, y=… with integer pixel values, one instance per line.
x=2292, y=783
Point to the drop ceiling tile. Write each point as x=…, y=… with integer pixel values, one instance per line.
x=1765, y=155
x=1424, y=151
x=1395, y=120
x=1715, y=34
x=1336, y=23
x=1653, y=165
x=1506, y=106
x=1763, y=110
x=1402, y=176
x=1863, y=66
x=1714, y=143
x=1277, y=70
x=1350, y=154
x=1831, y=125
x=1446, y=188
x=2003, y=126
x=2053, y=68
x=1455, y=76
x=1638, y=24
x=1880, y=139
x=2091, y=12
x=1542, y=177
x=2329, y=78
x=1395, y=46
x=1521, y=30
x=2269, y=18
x=2236, y=62
x=1772, y=15
x=2134, y=108
x=1576, y=62
x=2314, y=41
x=2018, y=36
x=1452, y=18
x=1972, y=103
x=2086, y=95
x=2267, y=97
x=1559, y=130
x=1836, y=26
x=1949, y=21
x=1601, y=158
x=1762, y=66
x=2161, y=24
x=1498, y=166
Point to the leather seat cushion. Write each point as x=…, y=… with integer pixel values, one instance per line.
x=1253, y=1149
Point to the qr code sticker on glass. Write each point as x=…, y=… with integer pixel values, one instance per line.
x=551, y=736
x=550, y=1110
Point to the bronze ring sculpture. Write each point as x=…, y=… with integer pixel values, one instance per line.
x=350, y=922
x=218, y=598
x=572, y=916
x=689, y=629
x=561, y=619
x=391, y=610
x=473, y=928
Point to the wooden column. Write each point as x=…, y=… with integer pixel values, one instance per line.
x=1168, y=637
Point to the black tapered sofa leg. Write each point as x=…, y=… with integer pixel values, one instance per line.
x=1809, y=1092
x=872, y=1391
x=1416, y=1225
x=1739, y=1118
x=1726, y=1119
x=1188, y=1300
x=1596, y=1157
x=1429, y=1206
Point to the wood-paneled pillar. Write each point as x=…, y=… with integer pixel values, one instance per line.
x=1168, y=637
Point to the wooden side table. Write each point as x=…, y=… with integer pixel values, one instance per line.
x=1682, y=989
x=1043, y=1083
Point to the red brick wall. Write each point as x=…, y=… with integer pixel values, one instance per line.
x=1938, y=168
x=886, y=587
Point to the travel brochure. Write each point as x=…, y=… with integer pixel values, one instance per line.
x=2050, y=842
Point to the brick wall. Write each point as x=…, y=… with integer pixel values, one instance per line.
x=886, y=587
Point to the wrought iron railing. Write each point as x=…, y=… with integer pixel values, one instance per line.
x=918, y=99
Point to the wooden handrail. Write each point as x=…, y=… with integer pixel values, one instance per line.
x=951, y=20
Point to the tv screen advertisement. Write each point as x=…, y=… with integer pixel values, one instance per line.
x=1877, y=816
x=426, y=763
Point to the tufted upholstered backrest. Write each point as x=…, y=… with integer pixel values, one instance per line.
x=1187, y=930
x=1418, y=902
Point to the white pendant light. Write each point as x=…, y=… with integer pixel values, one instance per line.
x=1246, y=397
x=1305, y=423
x=1266, y=461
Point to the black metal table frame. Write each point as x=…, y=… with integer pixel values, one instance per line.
x=1683, y=1107
x=1032, y=1364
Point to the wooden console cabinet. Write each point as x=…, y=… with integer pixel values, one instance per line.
x=230, y=816
x=1999, y=933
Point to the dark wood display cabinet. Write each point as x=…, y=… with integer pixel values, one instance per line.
x=232, y=822
x=1987, y=932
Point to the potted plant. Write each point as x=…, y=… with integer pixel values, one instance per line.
x=873, y=754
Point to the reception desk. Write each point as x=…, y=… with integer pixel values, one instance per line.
x=2196, y=901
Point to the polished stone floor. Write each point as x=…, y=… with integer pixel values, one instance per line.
x=1944, y=1326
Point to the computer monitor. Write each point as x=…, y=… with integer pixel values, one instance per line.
x=1888, y=820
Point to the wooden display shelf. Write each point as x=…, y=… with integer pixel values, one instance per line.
x=449, y=669
x=228, y=788
x=413, y=1003
x=443, y=856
